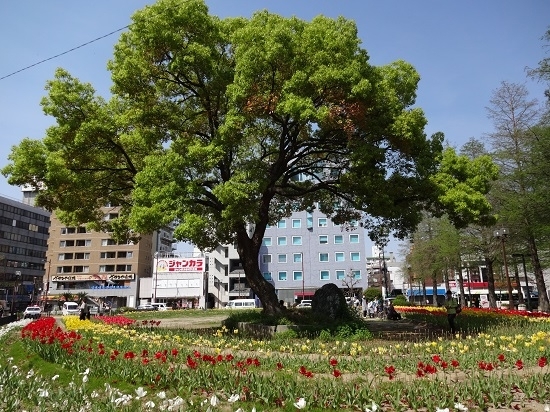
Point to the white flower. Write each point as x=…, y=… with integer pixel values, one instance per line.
x=87, y=371
x=94, y=394
x=43, y=393
x=30, y=374
x=460, y=407
x=55, y=377
x=253, y=409
x=140, y=393
x=239, y=410
x=214, y=401
x=85, y=378
x=373, y=408
x=150, y=404
x=233, y=398
x=301, y=404
x=547, y=408
x=441, y=410
x=161, y=395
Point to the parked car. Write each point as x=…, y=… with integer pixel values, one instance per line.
x=305, y=303
x=70, y=308
x=241, y=304
x=146, y=306
x=160, y=306
x=32, y=312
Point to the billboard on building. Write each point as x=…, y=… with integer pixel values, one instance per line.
x=175, y=265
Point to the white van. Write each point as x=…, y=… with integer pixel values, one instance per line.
x=160, y=306
x=70, y=308
x=241, y=304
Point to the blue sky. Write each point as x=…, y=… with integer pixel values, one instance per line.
x=462, y=50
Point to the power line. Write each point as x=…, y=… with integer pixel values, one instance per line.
x=65, y=52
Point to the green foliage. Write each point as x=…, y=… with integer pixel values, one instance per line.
x=400, y=300
x=372, y=293
x=285, y=336
x=214, y=123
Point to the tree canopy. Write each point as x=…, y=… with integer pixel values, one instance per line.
x=228, y=125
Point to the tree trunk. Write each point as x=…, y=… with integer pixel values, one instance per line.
x=518, y=287
x=434, y=289
x=491, y=283
x=461, y=285
x=544, y=304
x=248, y=250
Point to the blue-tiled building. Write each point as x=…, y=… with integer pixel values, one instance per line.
x=302, y=253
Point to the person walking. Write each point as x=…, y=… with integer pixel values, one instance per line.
x=451, y=304
x=82, y=310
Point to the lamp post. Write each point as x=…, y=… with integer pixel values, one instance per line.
x=47, y=286
x=502, y=234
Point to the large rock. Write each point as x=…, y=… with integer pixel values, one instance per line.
x=329, y=301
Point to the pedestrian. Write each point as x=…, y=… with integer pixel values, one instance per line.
x=451, y=304
x=392, y=313
x=364, y=307
x=82, y=310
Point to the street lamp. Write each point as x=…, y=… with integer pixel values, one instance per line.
x=502, y=234
x=47, y=286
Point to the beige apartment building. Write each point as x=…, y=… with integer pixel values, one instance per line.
x=109, y=273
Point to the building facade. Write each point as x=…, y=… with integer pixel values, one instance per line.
x=299, y=255
x=81, y=261
x=23, y=245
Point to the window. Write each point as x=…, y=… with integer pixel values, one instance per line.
x=281, y=241
x=323, y=239
x=125, y=255
x=355, y=256
x=61, y=256
x=267, y=276
x=356, y=274
x=81, y=269
x=106, y=268
x=354, y=223
x=297, y=275
x=309, y=219
x=338, y=239
x=281, y=224
x=296, y=240
x=296, y=223
x=339, y=257
x=282, y=276
x=123, y=268
x=322, y=222
x=281, y=258
x=340, y=274
x=323, y=257
x=83, y=242
x=82, y=256
x=266, y=258
x=107, y=255
x=266, y=241
x=297, y=257
x=66, y=243
x=325, y=275
x=354, y=238
x=107, y=242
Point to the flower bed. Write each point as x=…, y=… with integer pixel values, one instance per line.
x=162, y=369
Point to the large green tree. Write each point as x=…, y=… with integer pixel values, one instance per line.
x=515, y=195
x=228, y=125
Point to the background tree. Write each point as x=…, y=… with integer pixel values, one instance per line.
x=515, y=117
x=228, y=125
